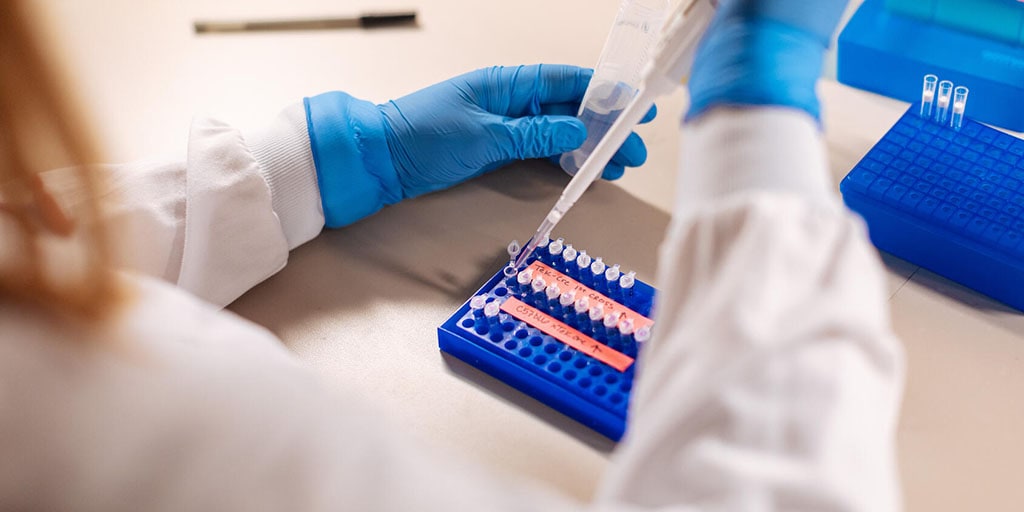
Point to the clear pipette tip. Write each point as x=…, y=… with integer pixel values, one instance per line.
x=542, y=234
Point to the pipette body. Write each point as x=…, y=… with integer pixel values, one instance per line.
x=667, y=69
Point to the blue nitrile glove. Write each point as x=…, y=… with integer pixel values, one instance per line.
x=763, y=52
x=368, y=156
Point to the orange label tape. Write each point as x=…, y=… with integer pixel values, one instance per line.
x=562, y=332
x=567, y=283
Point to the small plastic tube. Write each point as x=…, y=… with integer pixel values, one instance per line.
x=928, y=95
x=943, y=102
x=597, y=267
x=613, y=273
x=582, y=305
x=553, y=291
x=567, y=298
x=513, y=249
x=491, y=309
x=611, y=321
x=626, y=326
x=569, y=254
x=555, y=248
x=597, y=313
x=525, y=277
x=642, y=334
x=543, y=243
x=510, y=270
x=583, y=260
x=627, y=281
x=478, y=302
x=539, y=284
x=959, y=105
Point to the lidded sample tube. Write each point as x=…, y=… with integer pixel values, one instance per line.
x=959, y=105
x=943, y=102
x=928, y=95
x=618, y=73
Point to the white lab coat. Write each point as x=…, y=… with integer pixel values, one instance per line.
x=773, y=381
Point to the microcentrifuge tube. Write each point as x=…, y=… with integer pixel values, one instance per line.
x=597, y=267
x=553, y=291
x=959, y=105
x=555, y=248
x=567, y=298
x=612, y=274
x=510, y=269
x=513, y=249
x=611, y=321
x=544, y=243
x=491, y=309
x=627, y=281
x=525, y=277
x=539, y=284
x=943, y=101
x=597, y=312
x=582, y=305
x=478, y=301
x=928, y=96
x=626, y=326
x=569, y=254
x=583, y=260
x=643, y=334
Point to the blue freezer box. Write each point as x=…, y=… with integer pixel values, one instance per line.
x=947, y=200
x=888, y=45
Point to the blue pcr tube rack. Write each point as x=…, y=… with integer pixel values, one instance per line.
x=541, y=366
x=950, y=201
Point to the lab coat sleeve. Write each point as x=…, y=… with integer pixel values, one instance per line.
x=223, y=220
x=773, y=379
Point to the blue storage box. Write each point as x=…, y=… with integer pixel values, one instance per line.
x=573, y=381
x=950, y=201
x=888, y=50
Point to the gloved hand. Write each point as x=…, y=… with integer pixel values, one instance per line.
x=368, y=156
x=763, y=52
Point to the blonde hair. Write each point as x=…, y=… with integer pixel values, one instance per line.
x=54, y=248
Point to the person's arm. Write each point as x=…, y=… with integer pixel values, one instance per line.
x=224, y=220
x=774, y=379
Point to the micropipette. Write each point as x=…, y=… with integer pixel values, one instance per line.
x=667, y=69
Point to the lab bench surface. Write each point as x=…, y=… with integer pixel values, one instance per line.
x=360, y=306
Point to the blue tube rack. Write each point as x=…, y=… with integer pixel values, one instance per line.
x=563, y=378
x=949, y=201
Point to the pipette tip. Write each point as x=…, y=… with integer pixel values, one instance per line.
x=525, y=253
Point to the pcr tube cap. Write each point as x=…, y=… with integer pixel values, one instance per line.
x=612, y=273
x=539, y=284
x=491, y=309
x=611, y=321
x=525, y=277
x=643, y=334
